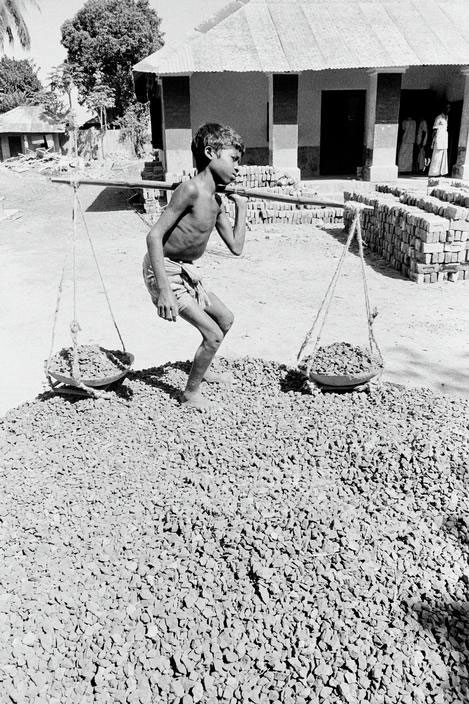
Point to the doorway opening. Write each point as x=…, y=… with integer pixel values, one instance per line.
x=342, y=131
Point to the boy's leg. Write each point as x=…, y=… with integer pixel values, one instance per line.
x=224, y=319
x=212, y=335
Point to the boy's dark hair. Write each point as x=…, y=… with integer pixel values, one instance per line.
x=217, y=136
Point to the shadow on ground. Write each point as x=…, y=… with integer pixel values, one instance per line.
x=448, y=622
x=112, y=199
x=414, y=366
x=376, y=261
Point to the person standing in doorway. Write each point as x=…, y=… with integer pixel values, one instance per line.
x=405, y=156
x=422, y=139
x=439, y=162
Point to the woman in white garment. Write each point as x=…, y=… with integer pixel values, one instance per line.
x=439, y=162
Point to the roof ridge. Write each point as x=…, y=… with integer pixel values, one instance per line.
x=224, y=12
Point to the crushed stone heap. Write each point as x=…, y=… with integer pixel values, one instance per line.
x=294, y=548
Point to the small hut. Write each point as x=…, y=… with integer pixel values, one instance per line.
x=28, y=127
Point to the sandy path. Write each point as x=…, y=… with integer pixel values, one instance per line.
x=274, y=290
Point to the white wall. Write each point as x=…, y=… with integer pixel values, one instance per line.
x=311, y=83
x=236, y=99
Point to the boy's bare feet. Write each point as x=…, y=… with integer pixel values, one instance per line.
x=194, y=399
x=212, y=377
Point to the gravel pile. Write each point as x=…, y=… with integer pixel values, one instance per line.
x=341, y=358
x=287, y=548
x=94, y=362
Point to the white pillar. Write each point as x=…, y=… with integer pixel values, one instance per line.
x=283, y=123
x=177, y=130
x=382, y=123
x=461, y=168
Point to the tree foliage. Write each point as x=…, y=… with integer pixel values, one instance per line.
x=12, y=22
x=107, y=37
x=135, y=126
x=19, y=84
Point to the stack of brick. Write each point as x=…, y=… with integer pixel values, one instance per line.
x=273, y=180
x=275, y=212
x=424, y=246
x=263, y=177
x=152, y=199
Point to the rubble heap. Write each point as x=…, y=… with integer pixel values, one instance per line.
x=289, y=548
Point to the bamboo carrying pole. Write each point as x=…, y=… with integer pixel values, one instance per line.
x=228, y=190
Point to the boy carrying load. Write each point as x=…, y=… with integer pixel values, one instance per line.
x=180, y=236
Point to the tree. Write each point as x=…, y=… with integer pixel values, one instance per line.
x=109, y=37
x=135, y=126
x=12, y=22
x=19, y=84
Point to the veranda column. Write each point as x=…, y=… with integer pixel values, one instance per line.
x=283, y=119
x=382, y=123
x=177, y=132
x=461, y=168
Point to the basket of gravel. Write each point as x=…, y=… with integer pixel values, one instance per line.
x=96, y=366
x=341, y=365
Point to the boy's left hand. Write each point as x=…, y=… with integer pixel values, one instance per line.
x=237, y=199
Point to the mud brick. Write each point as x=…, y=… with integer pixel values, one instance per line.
x=429, y=237
x=442, y=276
x=447, y=258
x=453, y=247
x=427, y=278
x=418, y=278
x=426, y=268
x=431, y=247
x=433, y=278
x=462, y=225
x=449, y=268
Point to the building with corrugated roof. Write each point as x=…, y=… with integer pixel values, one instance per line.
x=319, y=87
x=28, y=127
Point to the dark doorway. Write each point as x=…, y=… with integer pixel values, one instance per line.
x=426, y=105
x=14, y=142
x=454, y=125
x=419, y=105
x=342, y=131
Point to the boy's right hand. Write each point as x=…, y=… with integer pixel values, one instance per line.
x=167, y=306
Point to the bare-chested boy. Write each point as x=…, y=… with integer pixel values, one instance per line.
x=180, y=236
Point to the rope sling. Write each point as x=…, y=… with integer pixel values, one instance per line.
x=355, y=231
x=74, y=324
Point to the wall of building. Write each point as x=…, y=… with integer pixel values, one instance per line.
x=311, y=83
x=446, y=81
x=236, y=99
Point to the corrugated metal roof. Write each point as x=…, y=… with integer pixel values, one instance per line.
x=28, y=119
x=298, y=35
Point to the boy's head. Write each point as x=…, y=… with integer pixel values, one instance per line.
x=210, y=139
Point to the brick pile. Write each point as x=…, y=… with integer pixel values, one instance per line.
x=413, y=236
x=259, y=211
x=152, y=199
x=276, y=212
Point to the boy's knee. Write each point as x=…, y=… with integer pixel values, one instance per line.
x=214, y=339
x=227, y=322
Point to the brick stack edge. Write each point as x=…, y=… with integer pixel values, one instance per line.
x=426, y=237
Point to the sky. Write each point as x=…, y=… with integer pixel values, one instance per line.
x=178, y=17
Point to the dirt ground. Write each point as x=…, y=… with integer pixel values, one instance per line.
x=274, y=289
